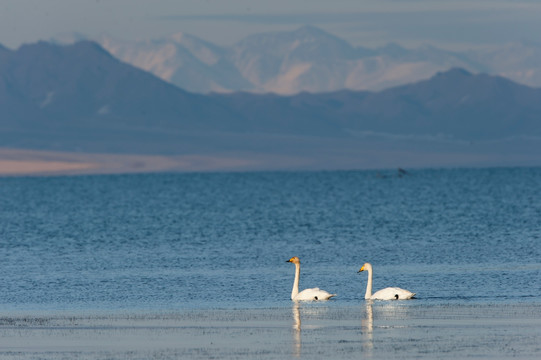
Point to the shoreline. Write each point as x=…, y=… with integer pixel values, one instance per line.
x=26, y=162
x=21, y=162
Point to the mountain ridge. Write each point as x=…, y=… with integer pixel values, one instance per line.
x=310, y=59
x=79, y=98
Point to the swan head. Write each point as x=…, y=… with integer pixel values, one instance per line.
x=366, y=266
x=294, y=260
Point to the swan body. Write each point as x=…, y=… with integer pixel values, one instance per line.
x=390, y=293
x=307, y=294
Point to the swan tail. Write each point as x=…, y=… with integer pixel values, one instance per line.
x=406, y=297
x=324, y=297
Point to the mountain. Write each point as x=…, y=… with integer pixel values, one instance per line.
x=181, y=59
x=79, y=98
x=309, y=59
x=81, y=92
x=455, y=104
x=519, y=62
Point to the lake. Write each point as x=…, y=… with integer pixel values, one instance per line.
x=113, y=255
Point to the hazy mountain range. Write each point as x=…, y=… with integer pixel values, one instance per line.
x=310, y=59
x=79, y=98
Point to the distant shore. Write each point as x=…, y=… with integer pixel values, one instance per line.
x=24, y=162
x=23, y=167
x=20, y=162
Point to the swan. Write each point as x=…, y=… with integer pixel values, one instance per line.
x=390, y=293
x=308, y=294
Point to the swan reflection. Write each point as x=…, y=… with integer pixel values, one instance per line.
x=296, y=330
x=314, y=314
x=367, y=327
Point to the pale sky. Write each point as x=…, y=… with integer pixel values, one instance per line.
x=447, y=24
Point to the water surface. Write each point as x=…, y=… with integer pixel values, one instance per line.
x=101, y=247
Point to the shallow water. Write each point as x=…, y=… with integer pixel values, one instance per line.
x=110, y=250
x=376, y=330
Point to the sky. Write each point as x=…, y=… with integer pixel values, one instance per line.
x=449, y=24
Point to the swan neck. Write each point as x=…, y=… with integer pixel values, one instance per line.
x=295, y=290
x=368, y=293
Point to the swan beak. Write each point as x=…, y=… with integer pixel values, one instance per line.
x=288, y=260
x=362, y=269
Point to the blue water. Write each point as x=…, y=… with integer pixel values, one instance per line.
x=183, y=241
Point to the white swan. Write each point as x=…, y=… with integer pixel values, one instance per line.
x=390, y=293
x=308, y=294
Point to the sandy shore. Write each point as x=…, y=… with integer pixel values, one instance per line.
x=15, y=162
x=381, y=330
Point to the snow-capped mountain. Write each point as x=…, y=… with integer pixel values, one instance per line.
x=309, y=59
